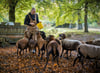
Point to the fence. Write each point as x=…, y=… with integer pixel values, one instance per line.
x=11, y=33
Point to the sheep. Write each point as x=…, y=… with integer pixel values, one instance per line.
x=68, y=44
x=41, y=44
x=23, y=43
x=43, y=34
x=32, y=44
x=88, y=52
x=94, y=42
x=55, y=49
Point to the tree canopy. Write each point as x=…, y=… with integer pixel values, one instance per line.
x=58, y=11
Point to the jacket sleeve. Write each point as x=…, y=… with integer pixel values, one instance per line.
x=27, y=21
x=37, y=18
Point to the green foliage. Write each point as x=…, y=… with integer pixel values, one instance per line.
x=60, y=11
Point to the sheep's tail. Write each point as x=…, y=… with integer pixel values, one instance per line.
x=54, y=47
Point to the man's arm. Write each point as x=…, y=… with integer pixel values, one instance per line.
x=27, y=21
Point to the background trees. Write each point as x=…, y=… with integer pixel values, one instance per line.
x=57, y=11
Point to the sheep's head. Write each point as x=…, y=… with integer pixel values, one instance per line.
x=62, y=36
x=43, y=34
x=38, y=34
x=27, y=34
x=89, y=42
x=49, y=38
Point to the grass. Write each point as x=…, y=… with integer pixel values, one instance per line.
x=57, y=31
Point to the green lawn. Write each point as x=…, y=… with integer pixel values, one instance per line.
x=56, y=31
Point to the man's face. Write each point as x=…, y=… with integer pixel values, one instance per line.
x=33, y=11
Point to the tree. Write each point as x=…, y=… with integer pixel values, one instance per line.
x=12, y=5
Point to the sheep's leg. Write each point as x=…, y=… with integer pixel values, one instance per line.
x=75, y=60
x=38, y=52
x=62, y=53
x=47, y=61
x=53, y=59
x=20, y=52
x=42, y=55
x=17, y=51
x=67, y=53
x=23, y=51
x=96, y=63
x=82, y=59
x=26, y=49
x=70, y=53
x=29, y=50
x=57, y=60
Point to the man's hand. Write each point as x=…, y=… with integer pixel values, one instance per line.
x=33, y=24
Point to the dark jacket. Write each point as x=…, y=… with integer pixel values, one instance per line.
x=27, y=19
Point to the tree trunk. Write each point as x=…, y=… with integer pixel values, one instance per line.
x=85, y=17
x=12, y=5
x=12, y=13
x=79, y=19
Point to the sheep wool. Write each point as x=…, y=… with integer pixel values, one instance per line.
x=91, y=51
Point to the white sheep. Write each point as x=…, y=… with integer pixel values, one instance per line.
x=87, y=51
x=94, y=42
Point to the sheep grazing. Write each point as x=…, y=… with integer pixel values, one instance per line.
x=23, y=43
x=94, y=42
x=88, y=52
x=55, y=49
x=68, y=44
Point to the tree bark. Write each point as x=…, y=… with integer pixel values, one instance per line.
x=79, y=19
x=12, y=6
x=12, y=14
x=85, y=17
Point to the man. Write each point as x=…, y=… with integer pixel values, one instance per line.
x=31, y=21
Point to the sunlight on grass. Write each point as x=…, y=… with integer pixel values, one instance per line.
x=55, y=31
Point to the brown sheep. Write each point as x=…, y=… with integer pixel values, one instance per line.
x=41, y=44
x=32, y=44
x=23, y=43
x=68, y=44
x=55, y=49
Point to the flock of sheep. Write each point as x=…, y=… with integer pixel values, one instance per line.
x=56, y=46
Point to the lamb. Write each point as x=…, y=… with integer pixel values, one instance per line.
x=68, y=44
x=88, y=52
x=55, y=49
x=23, y=43
x=94, y=42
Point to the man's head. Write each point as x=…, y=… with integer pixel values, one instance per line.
x=33, y=10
